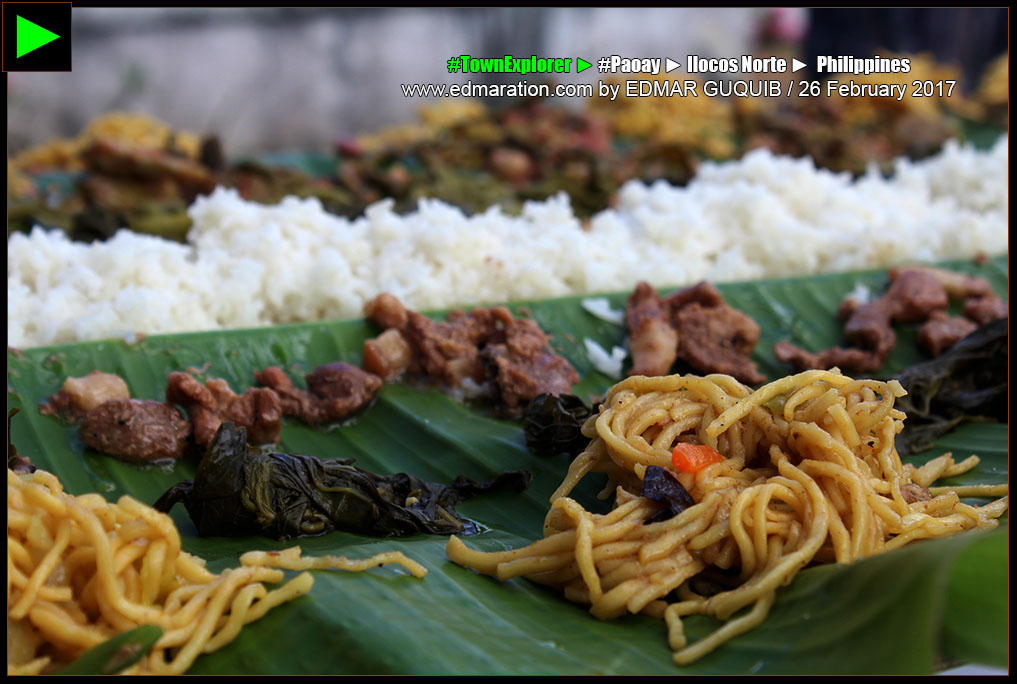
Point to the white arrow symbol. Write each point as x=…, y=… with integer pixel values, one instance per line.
x=796, y=64
x=671, y=65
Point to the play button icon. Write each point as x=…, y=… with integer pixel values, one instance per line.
x=31, y=36
x=670, y=65
x=37, y=36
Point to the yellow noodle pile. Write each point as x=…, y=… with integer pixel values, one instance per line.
x=81, y=570
x=811, y=474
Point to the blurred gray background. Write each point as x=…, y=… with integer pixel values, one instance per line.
x=283, y=79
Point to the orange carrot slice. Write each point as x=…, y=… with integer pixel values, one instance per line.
x=691, y=458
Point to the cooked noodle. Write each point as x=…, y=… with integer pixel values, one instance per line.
x=81, y=570
x=810, y=475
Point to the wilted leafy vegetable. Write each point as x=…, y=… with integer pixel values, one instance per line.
x=553, y=424
x=967, y=382
x=663, y=487
x=237, y=491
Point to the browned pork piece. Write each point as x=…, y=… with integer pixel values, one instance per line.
x=386, y=311
x=702, y=293
x=869, y=330
x=859, y=360
x=78, y=396
x=985, y=310
x=718, y=340
x=694, y=324
x=520, y=363
x=483, y=350
x=334, y=391
x=942, y=331
x=388, y=355
x=135, y=430
x=653, y=343
x=448, y=352
x=917, y=294
x=259, y=410
x=912, y=297
x=957, y=285
x=981, y=304
x=114, y=424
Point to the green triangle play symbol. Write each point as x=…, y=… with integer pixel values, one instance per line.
x=31, y=36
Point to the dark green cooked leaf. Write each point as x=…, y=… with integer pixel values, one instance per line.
x=553, y=424
x=966, y=382
x=240, y=491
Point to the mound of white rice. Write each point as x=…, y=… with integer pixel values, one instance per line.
x=246, y=264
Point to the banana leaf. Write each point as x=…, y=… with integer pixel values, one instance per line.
x=911, y=611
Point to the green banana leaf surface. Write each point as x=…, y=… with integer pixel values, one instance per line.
x=915, y=610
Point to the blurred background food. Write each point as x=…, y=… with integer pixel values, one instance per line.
x=334, y=124
x=269, y=169
x=994, y=90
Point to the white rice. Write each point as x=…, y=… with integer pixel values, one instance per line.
x=601, y=308
x=610, y=364
x=861, y=294
x=247, y=264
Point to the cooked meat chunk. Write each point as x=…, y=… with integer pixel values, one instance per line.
x=487, y=348
x=869, y=329
x=914, y=294
x=957, y=285
x=348, y=387
x=524, y=366
x=848, y=306
x=386, y=311
x=695, y=325
x=985, y=310
x=942, y=331
x=136, y=431
x=388, y=355
x=652, y=340
x=913, y=493
x=718, y=340
x=701, y=293
x=259, y=410
x=518, y=378
x=848, y=360
x=449, y=352
x=95, y=388
x=78, y=396
x=334, y=392
x=290, y=398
